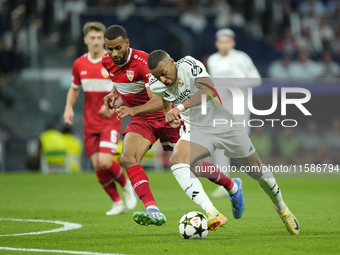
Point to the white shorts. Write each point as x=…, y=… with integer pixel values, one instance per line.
x=235, y=141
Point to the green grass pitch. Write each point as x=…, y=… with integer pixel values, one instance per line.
x=80, y=199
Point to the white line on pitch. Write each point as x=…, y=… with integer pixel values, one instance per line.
x=66, y=226
x=58, y=251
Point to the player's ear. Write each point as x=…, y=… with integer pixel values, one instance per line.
x=85, y=41
x=127, y=41
x=172, y=61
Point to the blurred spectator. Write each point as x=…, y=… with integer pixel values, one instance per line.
x=194, y=19
x=74, y=150
x=313, y=149
x=332, y=137
x=227, y=16
x=288, y=145
x=326, y=33
x=304, y=67
x=335, y=44
x=312, y=6
x=329, y=68
x=52, y=149
x=124, y=10
x=287, y=44
x=262, y=142
x=282, y=68
x=309, y=42
x=15, y=42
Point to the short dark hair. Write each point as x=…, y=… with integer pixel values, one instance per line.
x=155, y=57
x=114, y=32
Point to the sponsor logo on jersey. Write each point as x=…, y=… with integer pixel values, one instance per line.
x=130, y=74
x=83, y=72
x=105, y=74
x=196, y=70
x=180, y=82
x=185, y=95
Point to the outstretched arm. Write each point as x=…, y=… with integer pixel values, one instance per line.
x=72, y=96
x=153, y=105
x=193, y=101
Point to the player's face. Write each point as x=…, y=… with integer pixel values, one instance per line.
x=94, y=41
x=166, y=72
x=118, y=49
x=224, y=44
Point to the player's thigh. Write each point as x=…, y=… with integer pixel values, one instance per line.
x=187, y=152
x=95, y=161
x=254, y=164
x=134, y=148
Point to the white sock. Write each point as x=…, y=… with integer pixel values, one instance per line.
x=233, y=189
x=268, y=183
x=192, y=186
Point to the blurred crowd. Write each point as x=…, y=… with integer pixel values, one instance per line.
x=312, y=144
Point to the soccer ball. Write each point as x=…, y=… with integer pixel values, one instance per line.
x=193, y=225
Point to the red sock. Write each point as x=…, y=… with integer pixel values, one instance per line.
x=118, y=173
x=140, y=183
x=215, y=175
x=108, y=183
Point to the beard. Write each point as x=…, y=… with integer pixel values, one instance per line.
x=122, y=60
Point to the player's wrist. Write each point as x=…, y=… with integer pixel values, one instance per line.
x=180, y=107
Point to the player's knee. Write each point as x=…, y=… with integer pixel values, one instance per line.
x=105, y=164
x=128, y=161
x=175, y=159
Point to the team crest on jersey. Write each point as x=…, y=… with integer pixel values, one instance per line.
x=105, y=74
x=180, y=82
x=130, y=74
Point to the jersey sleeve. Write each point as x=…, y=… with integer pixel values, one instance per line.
x=197, y=69
x=156, y=86
x=145, y=72
x=76, y=82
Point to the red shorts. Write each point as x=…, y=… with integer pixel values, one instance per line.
x=154, y=130
x=105, y=140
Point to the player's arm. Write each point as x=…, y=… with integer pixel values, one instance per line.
x=193, y=101
x=153, y=105
x=72, y=96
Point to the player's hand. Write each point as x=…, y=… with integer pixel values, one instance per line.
x=109, y=101
x=104, y=111
x=175, y=123
x=172, y=115
x=68, y=115
x=124, y=111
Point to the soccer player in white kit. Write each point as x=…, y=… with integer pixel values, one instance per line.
x=180, y=85
x=228, y=62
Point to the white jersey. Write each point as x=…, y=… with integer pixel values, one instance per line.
x=188, y=69
x=236, y=64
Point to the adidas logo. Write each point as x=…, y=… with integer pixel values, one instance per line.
x=194, y=194
x=251, y=148
x=166, y=94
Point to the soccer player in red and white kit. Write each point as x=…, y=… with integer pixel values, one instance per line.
x=130, y=74
x=101, y=126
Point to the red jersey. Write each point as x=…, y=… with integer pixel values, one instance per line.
x=130, y=80
x=93, y=77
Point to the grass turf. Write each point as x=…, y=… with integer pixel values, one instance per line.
x=80, y=199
